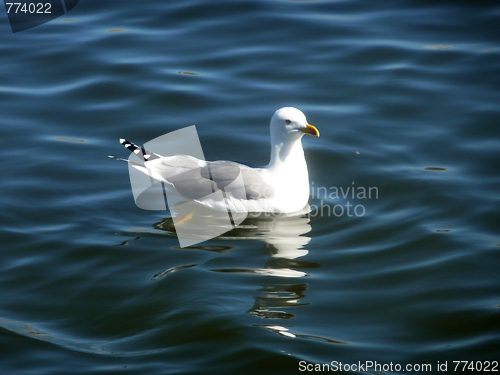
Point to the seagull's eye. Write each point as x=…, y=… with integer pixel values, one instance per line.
x=288, y=121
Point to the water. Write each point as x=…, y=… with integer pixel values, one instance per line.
x=406, y=97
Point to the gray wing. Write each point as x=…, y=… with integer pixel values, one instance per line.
x=193, y=181
x=224, y=172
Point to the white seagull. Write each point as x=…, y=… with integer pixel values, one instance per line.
x=280, y=187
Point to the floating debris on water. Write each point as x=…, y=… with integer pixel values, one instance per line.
x=435, y=169
x=439, y=47
x=76, y=140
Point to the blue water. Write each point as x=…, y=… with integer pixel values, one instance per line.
x=406, y=97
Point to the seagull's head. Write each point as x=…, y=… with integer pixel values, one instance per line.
x=290, y=124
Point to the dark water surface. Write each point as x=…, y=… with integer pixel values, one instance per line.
x=406, y=97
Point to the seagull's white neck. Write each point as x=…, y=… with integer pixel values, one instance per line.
x=287, y=154
x=288, y=174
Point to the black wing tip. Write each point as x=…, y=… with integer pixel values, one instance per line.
x=139, y=150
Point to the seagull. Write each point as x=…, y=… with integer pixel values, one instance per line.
x=281, y=187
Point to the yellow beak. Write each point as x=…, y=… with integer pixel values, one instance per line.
x=311, y=130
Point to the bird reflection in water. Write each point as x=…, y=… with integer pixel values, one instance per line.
x=284, y=238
